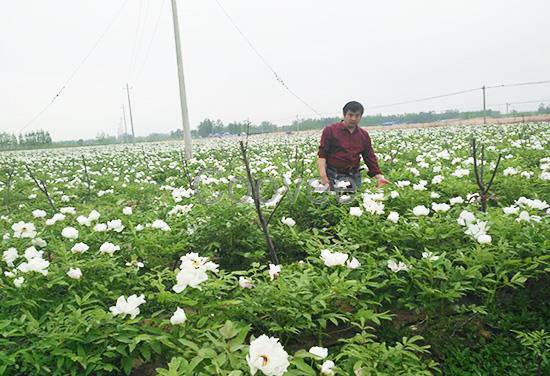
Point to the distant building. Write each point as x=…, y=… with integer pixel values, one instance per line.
x=393, y=122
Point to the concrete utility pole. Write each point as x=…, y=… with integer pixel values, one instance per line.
x=130, y=110
x=507, y=107
x=484, y=115
x=183, y=98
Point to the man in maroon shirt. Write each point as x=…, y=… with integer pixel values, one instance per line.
x=342, y=145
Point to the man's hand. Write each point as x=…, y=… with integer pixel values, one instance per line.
x=324, y=180
x=381, y=180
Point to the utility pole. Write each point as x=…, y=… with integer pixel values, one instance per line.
x=125, y=126
x=183, y=98
x=507, y=106
x=484, y=114
x=130, y=110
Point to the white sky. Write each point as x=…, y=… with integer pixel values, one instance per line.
x=327, y=51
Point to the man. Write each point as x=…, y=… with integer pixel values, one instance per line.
x=342, y=145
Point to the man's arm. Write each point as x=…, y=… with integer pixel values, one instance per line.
x=324, y=149
x=372, y=163
x=322, y=163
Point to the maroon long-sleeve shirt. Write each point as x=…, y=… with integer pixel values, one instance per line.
x=343, y=149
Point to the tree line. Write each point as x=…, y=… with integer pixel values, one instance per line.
x=24, y=140
x=209, y=127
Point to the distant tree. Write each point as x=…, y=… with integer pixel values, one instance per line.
x=543, y=110
x=206, y=128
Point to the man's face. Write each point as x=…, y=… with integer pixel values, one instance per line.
x=352, y=119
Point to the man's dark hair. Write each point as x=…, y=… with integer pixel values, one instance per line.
x=353, y=106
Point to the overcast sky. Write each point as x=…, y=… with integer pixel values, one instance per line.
x=326, y=51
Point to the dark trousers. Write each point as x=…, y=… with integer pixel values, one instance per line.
x=335, y=177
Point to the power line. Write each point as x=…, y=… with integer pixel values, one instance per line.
x=151, y=41
x=441, y=96
x=328, y=114
x=136, y=37
x=519, y=84
x=426, y=98
x=64, y=85
x=263, y=59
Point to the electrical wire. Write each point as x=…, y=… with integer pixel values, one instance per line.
x=519, y=84
x=75, y=71
x=148, y=51
x=263, y=59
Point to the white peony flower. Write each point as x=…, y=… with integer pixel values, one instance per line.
x=178, y=317
x=136, y=263
x=510, y=210
x=456, y=200
x=70, y=233
x=189, y=276
x=393, y=217
x=461, y=172
x=23, y=230
x=429, y=255
x=127, y=211
x=414, y=171
x=39, y=213
x=10, y=256
x=484, y=239
x=36, y=264
x=266, y=354
x=476, y=229
x=524, y=216
x=39, y=242
x=109, y=248
x=193, y=271
x=394, y=194
x=80, y=248
x=245, y=283
x=440, y=207
x=372, y=206
x=18, y=282
x=333, y=258
x=341, y=184
x=437, y=179
x=100, y=227
x=83, y=221
x=288, y=221
x=58, y=217
x=421, y=210
x=32, y=252
x=74, y=273
x=125, y=307
x=68, y=210
x=326, y=368
x=159, y=224
x=274, y=271
x=94, y=215
x=421, y=186
x=355, y=211
x=510, y=171
x=466, y=218
x=10, y=274
x=353, y=264
x=320, y=352
x=115, y=225
x=396, y=267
